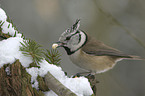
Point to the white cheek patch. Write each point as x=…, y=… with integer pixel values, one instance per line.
x=75, y=39
x=82, y=41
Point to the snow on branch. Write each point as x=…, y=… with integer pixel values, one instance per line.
x=10, y=52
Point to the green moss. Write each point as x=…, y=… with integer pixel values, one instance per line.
x=33, y=65
x=42, y=85
x=38, y=92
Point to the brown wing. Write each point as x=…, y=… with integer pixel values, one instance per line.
x=98, y=48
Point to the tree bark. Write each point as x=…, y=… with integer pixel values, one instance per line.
x=15, y=81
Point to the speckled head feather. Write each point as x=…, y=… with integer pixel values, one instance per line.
x=70, y=31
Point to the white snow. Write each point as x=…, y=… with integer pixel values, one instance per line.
x=9, y=53
x=3, y=15
x=34, y=73
x=11, y=30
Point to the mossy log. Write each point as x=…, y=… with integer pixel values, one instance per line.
x=15, y=81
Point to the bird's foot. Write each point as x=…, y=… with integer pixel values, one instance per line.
x=82, y=74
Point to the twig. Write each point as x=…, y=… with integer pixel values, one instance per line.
x=57, y=86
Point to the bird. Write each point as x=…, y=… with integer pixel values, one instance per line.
x=88, y=53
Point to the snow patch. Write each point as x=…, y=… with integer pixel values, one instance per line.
x=9, y=52
x=3, y=15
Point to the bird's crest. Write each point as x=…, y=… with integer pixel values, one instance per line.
x=72, y=30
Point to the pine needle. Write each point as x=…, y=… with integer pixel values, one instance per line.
x=31, y=48
x=53, y=56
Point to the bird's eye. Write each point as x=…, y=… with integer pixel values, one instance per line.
x=68, y=38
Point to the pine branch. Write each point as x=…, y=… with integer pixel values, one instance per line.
x=7, y=35
x=31, y=48
x=10, y=21
x=52, y=56
x=3, y=35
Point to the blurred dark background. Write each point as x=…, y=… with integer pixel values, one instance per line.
x=106, y=20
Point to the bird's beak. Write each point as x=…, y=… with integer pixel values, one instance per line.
x=57, y=44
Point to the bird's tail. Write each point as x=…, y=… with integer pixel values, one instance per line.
x=132, y=57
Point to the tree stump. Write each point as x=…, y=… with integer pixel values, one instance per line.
x=15, y=81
